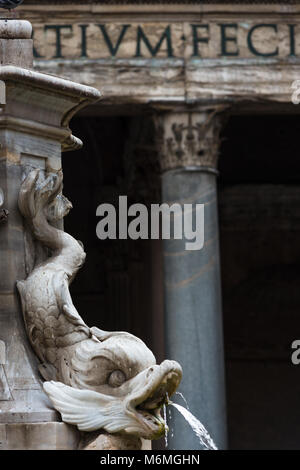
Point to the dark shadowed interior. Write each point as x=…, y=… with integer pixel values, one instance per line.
x=259, y=200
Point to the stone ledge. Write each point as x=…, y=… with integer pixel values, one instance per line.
x=38, y=436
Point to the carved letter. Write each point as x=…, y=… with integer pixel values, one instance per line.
x=141, y=36
x=113, y=49
x=225, y=39
x=197, y=39
x=250, y=43
x=58, y=28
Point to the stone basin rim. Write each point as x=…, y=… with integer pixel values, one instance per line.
x=47, y=81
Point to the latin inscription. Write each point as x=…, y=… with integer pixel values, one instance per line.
x=157, y=40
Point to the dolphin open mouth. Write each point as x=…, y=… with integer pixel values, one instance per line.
x=146, y=407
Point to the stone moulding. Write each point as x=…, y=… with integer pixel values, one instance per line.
x=23, y=87
x=95, y=379
x=164, y=2
x=41, y=80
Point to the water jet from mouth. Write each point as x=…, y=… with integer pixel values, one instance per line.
x=199, y=429
x=183, y=398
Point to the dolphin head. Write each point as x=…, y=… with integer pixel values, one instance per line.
x=114, y=383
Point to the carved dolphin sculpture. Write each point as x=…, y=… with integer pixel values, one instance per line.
x=95, y=379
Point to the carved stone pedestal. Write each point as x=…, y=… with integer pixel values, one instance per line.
x=38, y=436
x=105, y=441
x=35, y=112
x=62, y=436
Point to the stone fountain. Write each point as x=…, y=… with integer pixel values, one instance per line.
x=63, y=385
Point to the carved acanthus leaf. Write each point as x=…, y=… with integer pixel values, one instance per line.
x=189, y=139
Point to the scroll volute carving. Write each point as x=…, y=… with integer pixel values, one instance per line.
x=95, y=379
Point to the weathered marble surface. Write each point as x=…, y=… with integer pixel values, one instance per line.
x=38, y=436
x=231, y=70
x=95, y=379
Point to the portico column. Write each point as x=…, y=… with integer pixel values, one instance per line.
x=188, y=145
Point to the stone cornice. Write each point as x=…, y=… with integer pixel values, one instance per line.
x=63, y=135
x=246, y=77
x=50, y=82
x=157, y=2
x=23, y=87
x=159, y=11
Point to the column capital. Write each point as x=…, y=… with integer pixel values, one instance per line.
x=190, y=137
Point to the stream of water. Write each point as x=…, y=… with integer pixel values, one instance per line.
x=197, y=427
